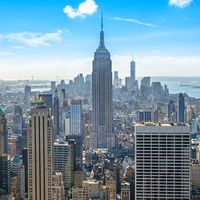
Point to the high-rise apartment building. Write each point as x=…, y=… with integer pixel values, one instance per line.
x=64, y=162
x=40, y=152
x=58, y=192
x=102, y=135
x=162, y=161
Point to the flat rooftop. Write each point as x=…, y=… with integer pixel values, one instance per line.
x=165, y=124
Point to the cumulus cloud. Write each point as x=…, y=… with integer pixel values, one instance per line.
x=135, y=21
x=33, y=39
x=180, y=3
x=88, y=7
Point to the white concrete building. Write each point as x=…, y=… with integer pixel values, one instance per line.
x=162, y=159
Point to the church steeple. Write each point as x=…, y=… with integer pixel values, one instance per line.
x=101, y=43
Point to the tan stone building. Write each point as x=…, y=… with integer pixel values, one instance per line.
x=125, y=191
x=40, y=152
x=195, y=175
x=58, y=192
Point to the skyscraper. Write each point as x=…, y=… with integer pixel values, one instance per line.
x=162, y=157
x=64, y=162
x=40, y=152
x=3, y=134
x=132, y=71
x=102, y=136
x=5, y=177
x=25, y=163
x=181, y=108
x=17, y=169
x=171, y=112
x=56, y=118
x=65, y=118
x=53, y=87
x=145, y=87
x=76, y=117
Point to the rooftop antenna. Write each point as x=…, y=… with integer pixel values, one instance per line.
x=101, y=21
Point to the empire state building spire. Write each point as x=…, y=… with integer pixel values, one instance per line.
x=101, y=43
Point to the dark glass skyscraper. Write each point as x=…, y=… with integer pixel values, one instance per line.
x=171, y=112
x=56, y=114
x=3, y=134
x=181, y=108
x=102, y=136
x=5, y=179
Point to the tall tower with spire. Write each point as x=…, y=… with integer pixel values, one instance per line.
x=102, y=135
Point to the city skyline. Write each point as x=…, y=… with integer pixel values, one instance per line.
x=61, y=36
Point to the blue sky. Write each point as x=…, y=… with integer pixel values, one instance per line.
x=50, y=38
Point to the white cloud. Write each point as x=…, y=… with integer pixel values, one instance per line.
x=33, y=39
x=88, y=7
x=131, y=20
x=180, y=3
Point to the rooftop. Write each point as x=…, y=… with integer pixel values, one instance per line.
x=165, y=124
x=16, y=158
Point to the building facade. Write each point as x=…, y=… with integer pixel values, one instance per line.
x=132, y=70
x=5, y=177
x=3, y=134
x=17, y=168
x=64, y=162
x=76, y=117
x=40, y=152
x=181, y=108
x=102, y=135
x=162, y=159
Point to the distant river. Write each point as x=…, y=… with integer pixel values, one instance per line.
x=189, y=85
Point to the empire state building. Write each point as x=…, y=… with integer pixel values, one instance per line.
x=102, y=135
